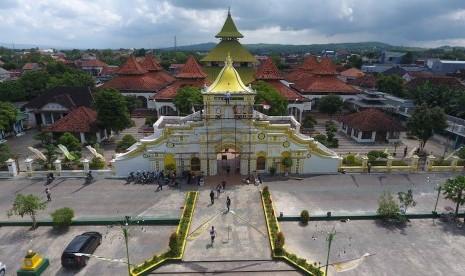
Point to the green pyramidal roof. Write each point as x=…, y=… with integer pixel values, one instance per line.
x=229, y=29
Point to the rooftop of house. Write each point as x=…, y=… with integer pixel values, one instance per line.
x=131, y=67
x=371, y=119
x=352, y=73
x=30, y=66
x=323, y=85
x=325, y=67
x=82, y=119
x=150, y=64
x=268, y=71
x=93, y=63
x=170, y=91
x=70, y=97
x=191, y=70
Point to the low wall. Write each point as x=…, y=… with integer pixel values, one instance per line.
x=362, y=217
x=97, y=174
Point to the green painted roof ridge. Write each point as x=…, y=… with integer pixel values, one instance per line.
x=229, y=29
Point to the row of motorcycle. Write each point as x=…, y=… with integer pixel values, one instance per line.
x=147, y=177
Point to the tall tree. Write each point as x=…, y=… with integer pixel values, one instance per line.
x=27, y=205
x=387, y=206
x=8, y=114
x=70, y=142
x=132, y=102
x=186, y=97
x=424, y=121
x=406, y=199
x=354, y=62
x=454, y=190
x=391, y=84
x=330, y=104
x=5, y=153
x=278, y=104
x=112, y=111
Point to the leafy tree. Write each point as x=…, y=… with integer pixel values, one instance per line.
x=387, y=206
x=43, y=137
x=62, y=218
x=408, y=58
x=354, y=62
x=112, y=111
x=34, y=83
x=391, y=84
x=330, y=104
x=12, y=91
x=8, y=114
x=174, y=242
x=5, y=153
x=70, y=142
x=424, y=121
x=309, y=121
x=278, y=104
x=406, y=199
x=127, y=141
x=304, y=217
x=186, y=97
x=132, y=102
x=74, y=78
x=27, y=205
x=375, y=154
x=454, y=189
x=50, y=155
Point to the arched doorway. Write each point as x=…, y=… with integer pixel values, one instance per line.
x=167, y=110
x=261, y=162
x=228, y=156
x=195, y=164
x=143, y=101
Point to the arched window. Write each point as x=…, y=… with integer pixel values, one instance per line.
x=195, y=164
x=261, y=163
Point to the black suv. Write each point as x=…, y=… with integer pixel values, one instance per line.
x=85, y=243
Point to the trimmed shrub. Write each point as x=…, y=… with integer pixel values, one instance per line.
x=127, y=141
x=442, y=162
x=150, y=121
x=174, y=243
x=280, y=240
x=96, y=164
x=62, y=218
x=272, y=170
x=375, y=154
x=351, y=160
x=304, y=217
x=399, y=163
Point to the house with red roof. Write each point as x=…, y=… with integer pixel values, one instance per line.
x=269, y=73
x=190, y=74
x=314, y=81
x=370, y=126
x=133, y=79
x=82, y=122
x=30, y=66
x=350, y=74
x=56, y=103
x=93, y=67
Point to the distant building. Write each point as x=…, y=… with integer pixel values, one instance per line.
x=30, y=66
x=440, y=66
x=391, y=57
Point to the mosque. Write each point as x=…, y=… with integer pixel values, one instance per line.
x=227, y=133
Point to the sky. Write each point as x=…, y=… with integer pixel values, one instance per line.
x=103, y=24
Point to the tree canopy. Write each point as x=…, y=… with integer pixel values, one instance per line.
x=425, y=120
x=391, y=84
x=27, y=205
x=8, y=114
x=330, y=104
x=70, y=142
x=265, y=92
x=112, y=111
x=454, y=189
x=5, y=153
x=186, y=97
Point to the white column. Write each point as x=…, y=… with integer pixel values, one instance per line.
x=57, y=165
x=12, y=169
x=99, y=138
x=85, y=162
x=28, y=163
x=83, y=137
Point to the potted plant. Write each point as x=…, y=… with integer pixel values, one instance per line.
x=287, y=163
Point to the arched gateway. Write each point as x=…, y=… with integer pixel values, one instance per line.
x=228, y=131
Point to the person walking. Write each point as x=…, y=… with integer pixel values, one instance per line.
x=227, y=97
x=160, y=185
x=369, y=167
x=212, y=235
x=228, y=203
x=218, y=190
x=212, y=196
x=49, y=195
x=223, y=183
x=228, y=169
x=405, y=151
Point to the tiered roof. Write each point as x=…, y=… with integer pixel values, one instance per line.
x=372, y=119
x=191, y=74
x=69, y=97
x=325, y=67
x=191, y=70
x=435, y=80
x=352, y=73
x=323, y=85
x=228, y=80
x=229, y=29
x=367, y=81
x=132, y=77
x=82, y=119
x=155, y=70
x=303, y=71
x=268, y=71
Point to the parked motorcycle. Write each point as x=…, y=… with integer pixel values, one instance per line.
x=89, y=177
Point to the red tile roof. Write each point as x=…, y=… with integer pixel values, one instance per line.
x=93, y=63
x=145, y=83
x=191, y=70
x=367, y=81
x=109, y=70
x=297, y=74
x=352, y=73
x=287, y=92
x=30, y=66
x=419, y=74
x=150, y=64
x=161, y=76
x=268, y=71
x=323, y=85
x=434, y=80
x=169, y=92
x=325, y=67
x=131, y=67
x=82, y=119
x=310, y=63
x=372, y=119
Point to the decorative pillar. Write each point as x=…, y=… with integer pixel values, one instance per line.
x=57, y=165
x=29, y=169
x=99, y=137
x=453, y=164
x=85, y=162
x=112, y=165
x=414, y=163
x=12, y=169
x=365, y=163
x=429, y=162
x=33, y=264
x=389, y=163
x=83, y=137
